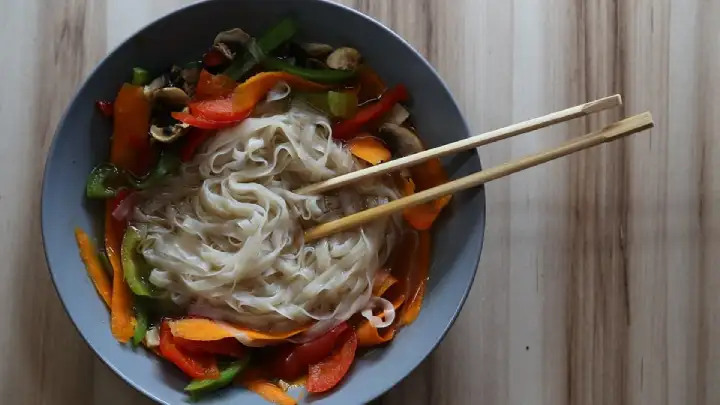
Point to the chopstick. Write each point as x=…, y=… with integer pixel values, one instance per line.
x=465, y=144
x=610, y=133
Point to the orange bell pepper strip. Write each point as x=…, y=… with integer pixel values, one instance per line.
x=254, y=89
x=95, y=270
x=368, y=335
x=122, y=316
x=131, y=149
x=211, y=87
x=369, y=149
x=417, y=280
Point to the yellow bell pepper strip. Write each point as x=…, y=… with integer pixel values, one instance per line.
x=268, y=42
x=369, y=149
x=122, y=319
x=94, y=267
x=131, y=149
x=329, y=76
x=369, y=114
x=269, y=391
x=253, y=90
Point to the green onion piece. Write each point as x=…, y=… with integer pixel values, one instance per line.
x=198, y=387
x=141, y=326
x=342, y=104
x=329, y=76
x=268, y=42
x=140, y=76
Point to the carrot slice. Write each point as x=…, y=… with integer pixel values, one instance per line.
x=418, y=280
x=211, y=86
x=254, y=89
x=203, y=329
x=368, y=335
x=97, y=274
x=122, y=317
x=382, y=282
x=369, y=149
x=269, y=391
x=424, y=176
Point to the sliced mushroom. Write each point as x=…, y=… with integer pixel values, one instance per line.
x=233, y=36
x=344, y=59
x=225, y=50
x=402, y=141
x=172, y=98
x=316, y=50
x=169, y=133
x=157, y=83
x=397, y=115
x=191, y=76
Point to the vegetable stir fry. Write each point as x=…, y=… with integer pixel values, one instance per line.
x=161, y=122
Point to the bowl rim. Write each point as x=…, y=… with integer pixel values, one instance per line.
x=53, y=145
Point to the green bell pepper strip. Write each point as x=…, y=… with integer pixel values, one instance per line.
x=141, y=325
x=140, y=76
x=135, y=269
x=199, y=387
x=326, y=76
x=268, y=42
x=106, y=180
x=342, y=104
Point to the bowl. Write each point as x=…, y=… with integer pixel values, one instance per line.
x=82, y=141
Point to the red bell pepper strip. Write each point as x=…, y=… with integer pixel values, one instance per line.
x=218, y=110
x=211, y=86
x=329, y=372
x=193, y=141
x=201, y=122
x=214, y=58
x=105, y=107
x=224, y=347
x=367, y=115
x=293, y=362
x=200, y=366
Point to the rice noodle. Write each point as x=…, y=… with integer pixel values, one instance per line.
x=225, y=236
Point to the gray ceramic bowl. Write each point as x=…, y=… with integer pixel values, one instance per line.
x=81, y=142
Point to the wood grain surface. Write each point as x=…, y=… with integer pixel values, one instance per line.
x=598, y=282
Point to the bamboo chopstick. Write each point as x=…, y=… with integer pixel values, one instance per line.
x=610, y=133
x=465, y=144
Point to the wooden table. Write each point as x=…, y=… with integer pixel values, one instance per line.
x=598, y=283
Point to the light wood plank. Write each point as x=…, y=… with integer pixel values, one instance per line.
x=597, y=284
